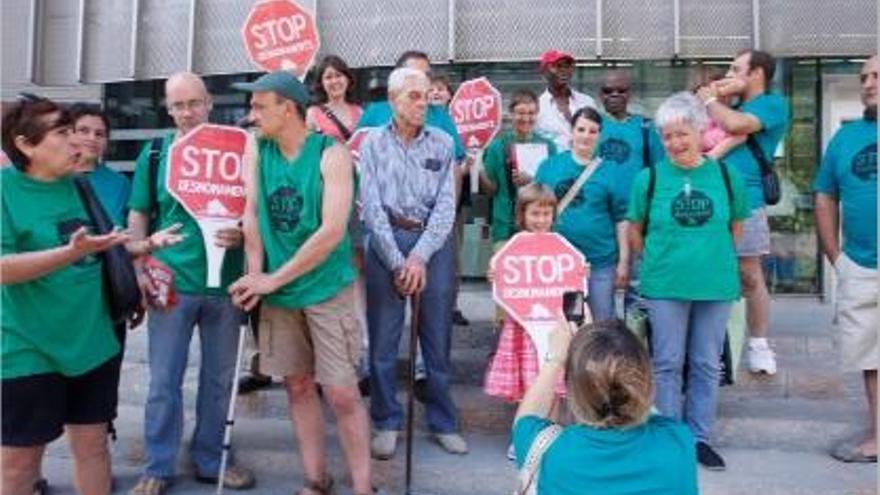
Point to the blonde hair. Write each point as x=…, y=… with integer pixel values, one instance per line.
x=608, y=376
x=529, y=194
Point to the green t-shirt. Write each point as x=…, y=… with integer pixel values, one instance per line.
x=495, y=161
x=590, y=220
x=289, y=210
x=849, y=173
x=187, y=258
x=689, y=248
x=656, y=457
x=622, y=143
x=772, y=110
x=59, y=322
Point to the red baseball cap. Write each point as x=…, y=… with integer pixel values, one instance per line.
x=552, y=56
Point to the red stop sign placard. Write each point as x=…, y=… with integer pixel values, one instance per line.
x=205, y=172
x=476, y=110
x=281, y=35
x=532, y=272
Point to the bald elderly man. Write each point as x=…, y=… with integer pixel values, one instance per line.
x=170, y=327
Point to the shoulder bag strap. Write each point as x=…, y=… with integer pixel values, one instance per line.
x=646, y=142
x=529, y=471
x=758, y=153
x=155, y=153
x=652, y=184
x=725, y=174
x=576, y=187
x=343, y=129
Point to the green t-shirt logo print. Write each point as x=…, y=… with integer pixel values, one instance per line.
x=864, y=164
x=285, y=206
x=692, y=210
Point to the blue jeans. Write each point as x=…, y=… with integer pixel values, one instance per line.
x=601, y=296
x=170, y=333
x=695, y=329
x=385, y=318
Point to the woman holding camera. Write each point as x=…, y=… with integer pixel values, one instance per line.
x=614, y=445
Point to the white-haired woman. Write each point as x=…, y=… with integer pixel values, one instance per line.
x=685, y=212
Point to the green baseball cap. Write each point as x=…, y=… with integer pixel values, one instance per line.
x=281, y=82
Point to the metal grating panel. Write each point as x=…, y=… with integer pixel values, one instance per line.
x=634, y=29
x=162, y=37
x=715, y=29
x=498, y=29
x=218, y=45
x=367, y=33
x=56, y=42
x=14, y=49
x=819, y=27
x=108, y=24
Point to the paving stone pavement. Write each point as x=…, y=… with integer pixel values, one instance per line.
x=773, y=431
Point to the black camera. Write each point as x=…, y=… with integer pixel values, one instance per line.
x=573, y=306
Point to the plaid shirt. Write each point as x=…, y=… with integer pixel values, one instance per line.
x=411, y=180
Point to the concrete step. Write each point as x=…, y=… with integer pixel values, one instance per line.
x=268, y=447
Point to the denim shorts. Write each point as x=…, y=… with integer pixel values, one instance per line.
x=755, y=240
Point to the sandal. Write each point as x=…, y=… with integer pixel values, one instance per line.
x=320, y=487
x=235, y=478
x=851, y=453
x=150, y=486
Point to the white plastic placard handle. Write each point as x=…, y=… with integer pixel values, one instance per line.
x=539, y=332
x=213, y=252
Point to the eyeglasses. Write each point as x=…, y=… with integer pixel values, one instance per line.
x=606, y=90
x=179, y=106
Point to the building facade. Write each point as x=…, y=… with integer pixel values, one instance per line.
x=119, y=51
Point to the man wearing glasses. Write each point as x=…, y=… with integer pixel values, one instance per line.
x=170, y=327
x=559, y=101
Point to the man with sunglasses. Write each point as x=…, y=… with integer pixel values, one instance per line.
x=559, y=101
x=631, y=143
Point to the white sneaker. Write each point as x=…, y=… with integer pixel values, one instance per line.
x=511, y=453
x=383, y=445
x=762, y=359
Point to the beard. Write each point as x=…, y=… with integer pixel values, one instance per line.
x=871, y=113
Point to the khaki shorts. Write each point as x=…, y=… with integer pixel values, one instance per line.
x=857, y=315
x=323, y=340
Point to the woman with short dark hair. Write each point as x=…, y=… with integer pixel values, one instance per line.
x=615, y=445
x=58, y=341
x=591, y=212
x=90, y=137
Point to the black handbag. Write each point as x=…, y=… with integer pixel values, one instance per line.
x=120, y=279
x=769, y=178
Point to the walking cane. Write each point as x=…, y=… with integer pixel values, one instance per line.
x=411, y=382
x=230, y=411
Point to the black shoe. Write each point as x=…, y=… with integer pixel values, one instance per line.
x=708, y=458
x=252, y=383
x=364, y=387
x=459, y=319
x=420, y=390
x=41, y=487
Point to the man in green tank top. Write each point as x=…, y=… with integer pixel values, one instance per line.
x=299, y=261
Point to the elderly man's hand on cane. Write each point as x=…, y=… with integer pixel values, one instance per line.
x=411, y=279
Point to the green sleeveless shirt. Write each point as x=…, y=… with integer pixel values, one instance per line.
x=289, y=211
